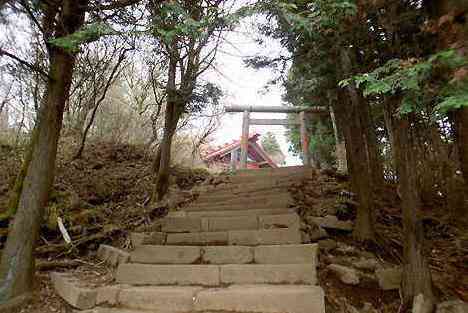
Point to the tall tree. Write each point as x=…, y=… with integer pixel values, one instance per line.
x=36, y=177
x=61, y=24
x=189, y=33
x=321, y=37
x=450, y=16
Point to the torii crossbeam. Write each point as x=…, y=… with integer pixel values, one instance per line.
x=302, y=121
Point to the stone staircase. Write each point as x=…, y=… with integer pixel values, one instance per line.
x=237, y=248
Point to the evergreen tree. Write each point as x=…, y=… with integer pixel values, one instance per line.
x=270, y=143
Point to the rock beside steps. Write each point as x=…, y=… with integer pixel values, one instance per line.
x=239, y=259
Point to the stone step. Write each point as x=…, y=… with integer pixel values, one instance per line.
x=276, y=254
x=216, y=275
x=220, y=223
x=241, y=189
x=109, y=310
x=237, y=237
x=291, y=220
x=250, y=186
x=268, y=274
x=241, y=179
x=227, y=254
x=149, y=254
x=259, y=174
x=258, y=298
x=148, y=238
x=267, y=171
x=265, y=237
x=182, y=275
x=229, y=213
x=243, y=199
x=198, y=239
x=251, y=177
x=235, y=299
x=252, y=205
x=238, y=190
x=287, y=254
x=159, y=299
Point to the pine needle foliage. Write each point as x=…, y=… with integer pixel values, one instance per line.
x=419, y=81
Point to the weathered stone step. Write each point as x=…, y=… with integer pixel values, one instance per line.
x=216, y=275
x=287, y=254
x=182, y=275
x=110, y=310
x=250, y=186
x=232, y=190
x=267, y=171
x=255, y=174
x=276, y=254
x=257, y=298
x=252, y=205
x=163, y=299
x=276, y=200
x=268, y=274
x=235, y=298
x=244, y=199
x=237, y=237
x=228, y=213
x=198, y=239
x=213, y=224
x=276, y=179
x=166, y=254
x=244, y=189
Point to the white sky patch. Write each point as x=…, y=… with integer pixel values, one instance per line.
x=245, y=86
x=241, y=85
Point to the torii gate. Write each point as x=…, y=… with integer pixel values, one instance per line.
x=302, y=121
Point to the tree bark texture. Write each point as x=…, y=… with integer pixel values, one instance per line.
x=416, y=274
x=358, y=162
x=461, y=135
x=173, y=112
x=455, y=36
x=17, y=263
x=340, y=146
x=373, y=154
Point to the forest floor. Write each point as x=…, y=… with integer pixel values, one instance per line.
x=446, y=244
x=103, y=196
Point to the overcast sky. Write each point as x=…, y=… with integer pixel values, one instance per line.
x=241, y=85
x=245, y=86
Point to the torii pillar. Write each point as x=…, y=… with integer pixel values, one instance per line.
x=302, y=122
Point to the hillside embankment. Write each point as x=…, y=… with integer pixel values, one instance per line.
x=104, y=196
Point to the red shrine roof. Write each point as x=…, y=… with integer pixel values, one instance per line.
x=255, y=151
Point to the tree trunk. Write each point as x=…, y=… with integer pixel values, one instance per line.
x=416, y=274
x=357, y=156
x=375, y=161
x=157, y=163
x=17, y=263
x=171, y=118
x=340, y=146
x=461, y=136
x=173, y=113
x=3, y=117
x=388, y=119
x=461, y=129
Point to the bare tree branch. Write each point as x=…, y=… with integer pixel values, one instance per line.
x=25, y=63
x=109, y=82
